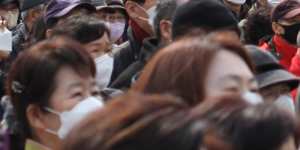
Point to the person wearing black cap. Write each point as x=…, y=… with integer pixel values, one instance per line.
x=275, y=83
x=286, y=25
x=205, y=15
x=31, y=10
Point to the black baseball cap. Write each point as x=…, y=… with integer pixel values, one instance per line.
x=5, y=2
x=28, y=4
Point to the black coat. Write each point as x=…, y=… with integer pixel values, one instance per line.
x=126, y=56
x=126, y=78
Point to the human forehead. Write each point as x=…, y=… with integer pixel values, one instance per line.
x=67, y=76
x=226, y=63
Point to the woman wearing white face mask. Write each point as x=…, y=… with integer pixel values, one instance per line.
x=94, y=35
x=52, y=88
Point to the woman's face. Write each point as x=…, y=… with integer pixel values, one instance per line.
x=70, y=89
x=115, y=16
x=229, y=74
x=99, y=47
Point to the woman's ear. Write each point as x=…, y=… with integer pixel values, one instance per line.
x=278, y=29
x=34, y=116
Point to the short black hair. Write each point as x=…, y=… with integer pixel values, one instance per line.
x=165, y=11
x=207, y=15
x=258, y=26
x=81, y=28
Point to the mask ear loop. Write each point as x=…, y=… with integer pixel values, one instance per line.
x=52, y=111
x=56, y=113
x=51, y=132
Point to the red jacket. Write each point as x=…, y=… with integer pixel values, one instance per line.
x=289, y=58
x=286, y=51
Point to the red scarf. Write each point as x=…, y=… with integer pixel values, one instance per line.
x=138, y=33
x=286, y=50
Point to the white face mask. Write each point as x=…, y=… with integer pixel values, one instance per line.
x=69, y=119
x=104, y=67
x=116, y=30
x=252, y=98
x=12, y=18
x=6, y=40
x=286, y=102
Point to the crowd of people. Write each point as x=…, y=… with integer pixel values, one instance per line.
x=149, y=74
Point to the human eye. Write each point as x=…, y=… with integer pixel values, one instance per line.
x=77, y=94
x=96, y=91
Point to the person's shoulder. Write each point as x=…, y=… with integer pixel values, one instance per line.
x=118, y=48
x=123, y=51
x=19, y=29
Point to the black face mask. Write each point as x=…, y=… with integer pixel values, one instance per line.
x=291, y=33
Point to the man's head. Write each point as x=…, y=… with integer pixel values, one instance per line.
x=163, y=20
x=286, y=20
x=140, y=11
x=206, y=15
x=258, y=27
x=9, y=12
x=31, y=11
